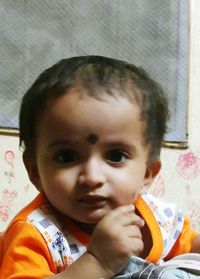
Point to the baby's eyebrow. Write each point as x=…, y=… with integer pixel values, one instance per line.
x=121, y=145
x=58, y=142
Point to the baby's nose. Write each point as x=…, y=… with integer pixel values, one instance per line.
x=92, y=174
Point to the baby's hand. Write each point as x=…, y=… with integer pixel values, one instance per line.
x=117, y=237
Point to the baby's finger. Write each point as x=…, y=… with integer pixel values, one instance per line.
x=122, y=210
x=130, y=219
x=125, y=216
x=133, y=232
x=137, y=248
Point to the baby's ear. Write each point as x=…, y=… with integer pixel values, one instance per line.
x=31, y=167
x=151, y=172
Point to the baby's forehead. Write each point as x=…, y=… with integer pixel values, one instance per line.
x=92, y=138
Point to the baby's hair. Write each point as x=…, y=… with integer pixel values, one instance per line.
x=98, y=76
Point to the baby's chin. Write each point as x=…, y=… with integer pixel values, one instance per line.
x=92, y=219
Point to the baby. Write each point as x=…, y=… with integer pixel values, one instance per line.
x=91, y=128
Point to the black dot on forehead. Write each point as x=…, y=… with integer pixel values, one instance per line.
x=92, y=138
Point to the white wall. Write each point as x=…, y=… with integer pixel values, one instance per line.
x=194, y=80
x=181, y=168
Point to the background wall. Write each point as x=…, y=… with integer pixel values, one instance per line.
x=179, y=180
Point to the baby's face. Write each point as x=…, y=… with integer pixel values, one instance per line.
x=90, y=155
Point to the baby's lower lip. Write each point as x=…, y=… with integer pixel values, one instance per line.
x=93, y=201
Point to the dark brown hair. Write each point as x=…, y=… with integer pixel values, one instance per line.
x=114, y=76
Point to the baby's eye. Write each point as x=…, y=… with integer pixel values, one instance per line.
x=117, y=156
x=68, y=156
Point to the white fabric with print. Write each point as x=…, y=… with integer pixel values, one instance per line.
x=169, y=218
x=65, y=249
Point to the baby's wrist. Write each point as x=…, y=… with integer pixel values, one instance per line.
x=103, y=270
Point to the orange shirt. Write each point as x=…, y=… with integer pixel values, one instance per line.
x=181, y=246
x=23, y=250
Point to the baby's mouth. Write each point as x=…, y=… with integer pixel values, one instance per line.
x=94, y=201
